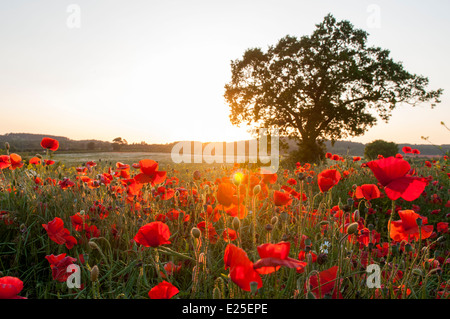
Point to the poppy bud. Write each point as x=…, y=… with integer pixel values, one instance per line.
x=39, y=156
x=94, y=245
x=196, y=175
x=395, y=249
x=195, y=232
x=94, y=273
x=352, y=228
x=307, y=242
x=274, y=220
x=419, y=222
x=350, y=201
x=256, y=189
x=269, y=227
x=370, y=227
x=408, y=248
x=216, y=293
x=7, y=147
x=322, y=258
x=236, y=223
x=356, y=215
x=309, y=179
x=23, y=228
x=254, y=287
x=301, y=176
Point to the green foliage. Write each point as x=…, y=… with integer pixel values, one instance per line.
x=380, y=147
x=321, y=86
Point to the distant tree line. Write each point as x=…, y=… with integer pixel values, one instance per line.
x=24, y=142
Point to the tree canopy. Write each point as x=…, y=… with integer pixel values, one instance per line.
x=329, y=85
x=380, y=147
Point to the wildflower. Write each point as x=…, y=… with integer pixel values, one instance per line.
x=327, y=282
x=149, y=173
x=60, y=235
x=327, y=179
x=58, y=265
x=281, y=198
x=164, y=290
x=50, y=144
x=407, y=227
x=153, y=235
x=392, y=173
x=367, y=191
x=242, y=272
x=10, y=287
x=273, y=256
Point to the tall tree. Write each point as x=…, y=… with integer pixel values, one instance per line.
x=329, y=85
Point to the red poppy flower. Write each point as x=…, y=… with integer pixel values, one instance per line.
x=212, y=214
x=367, y=191
x=442, y=227
x=241, y=268
x=212, y=234
x=327, y=282
x=91, y=231
x=4, y=161
x=60, y=235
x=273, y=256
x=59, y=265
x=164, y=290
x=407, y=149
x=16, y=161
x=66, y=183
x=170, y=268
x=150, y=173
x=356, y=158
x=153, y=235
x=406, y=228
x=165, y=193
x=225, y=193
x=268, y=177
x=327, y=179
x=281, y=198
x=50, y=144
x=174, y=215
x=78, y=220
x=10, y=287
x=49, y=162
x=292, y=181
x=392, y=173
x=35, y=161
x=415, y=151
x=229, y=235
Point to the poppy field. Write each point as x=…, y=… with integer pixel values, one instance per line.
x=345, y=228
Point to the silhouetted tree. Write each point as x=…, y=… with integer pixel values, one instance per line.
x=380, y=147
x=321, y=86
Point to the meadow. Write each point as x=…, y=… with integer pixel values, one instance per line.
x=131, y=226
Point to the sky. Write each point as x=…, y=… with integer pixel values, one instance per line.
x=155, y=71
